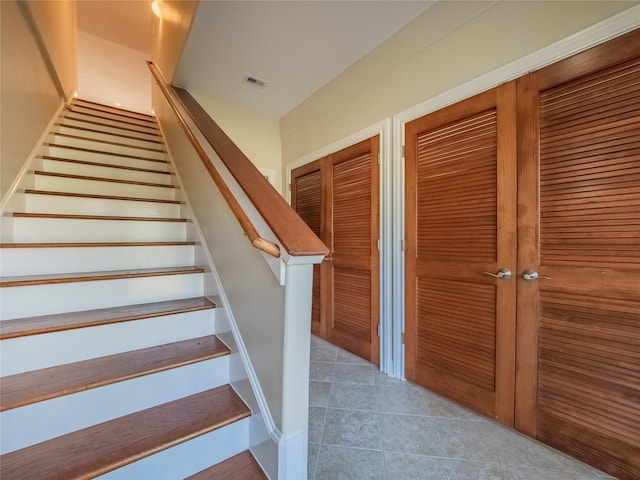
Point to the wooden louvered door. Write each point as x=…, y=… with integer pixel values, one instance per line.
x=460, y=225
x=338, y=197
x=353, y=223
x=578, y=383
x=306, y=199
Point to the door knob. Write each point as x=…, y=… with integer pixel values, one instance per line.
x=503, y=274
x=533, y=275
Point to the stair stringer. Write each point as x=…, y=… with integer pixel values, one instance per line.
x=264, y=436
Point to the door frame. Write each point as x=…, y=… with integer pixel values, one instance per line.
x=392, y=141
x=387, y=318
x=591, y=36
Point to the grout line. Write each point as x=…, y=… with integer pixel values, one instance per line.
x=352, y=447
x=519, y=468
x=384, y=460
x=324, y=422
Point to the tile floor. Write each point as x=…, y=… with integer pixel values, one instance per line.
x=366, y=425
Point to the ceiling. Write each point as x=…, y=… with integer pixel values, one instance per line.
x=295, y=46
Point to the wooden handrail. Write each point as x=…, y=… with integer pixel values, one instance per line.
x=292, y=232
x=250, y=231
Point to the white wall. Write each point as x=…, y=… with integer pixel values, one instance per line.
x=257, y=135
x=110, y=73
x=453, y=42
x=57, y=23
x=256, y=297
x=170, y=33
x=28, y=95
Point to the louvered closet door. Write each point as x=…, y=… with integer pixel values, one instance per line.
x=306, y=199
x=460, y=227
x=578, y=387
x=353, y=223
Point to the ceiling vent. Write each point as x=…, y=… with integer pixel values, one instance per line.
x=255, y=81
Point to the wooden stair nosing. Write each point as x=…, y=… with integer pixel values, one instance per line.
x=108, y=125
x=241, y=466
x=102, y=197
x=84, y=129
x=101, y=448
x=39, y=385
x=131, y=124
x=102, y=179
x=100, y=164
x=107, y=142
x=112, y=109
x=92, y=244
x=148, y=122
x=23, y=327
x=102, y=152
x=140, y=122
x=96, y=217
x=58, y=278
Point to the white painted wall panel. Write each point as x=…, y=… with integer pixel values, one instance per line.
x=110, y=73
x=35, y=261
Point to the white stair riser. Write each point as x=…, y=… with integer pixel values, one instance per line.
x=78, y=122
x=123, y=137
x=111, y=160
x=28, y=301
x=142, y=161
x=105, y=147
x=72, y=230
x=37, y=203
x=97, y=187
x=110, y=109
x=35, y=352
x=115, y=123
x=126, y=118
x=45, y=420
x=106, y=172
x=42, y=261
x=190, y=457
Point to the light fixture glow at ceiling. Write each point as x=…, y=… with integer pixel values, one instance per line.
x=155, y=8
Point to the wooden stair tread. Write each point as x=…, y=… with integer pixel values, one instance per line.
x=93, y=244
x=84, y=129
x=39, y=385
x=241, y=466
x=147, y=122
x=104, y=447
x=70, y=116
x=102, y=164
x=103, y=197
x=21, y=327
x=27, y=280
x=122, y=112
x=90, y=150
x=102, y=179
x=96, y=217
x=151, y=126
x=109, y=142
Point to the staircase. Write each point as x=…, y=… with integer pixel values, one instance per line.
x=112, y=359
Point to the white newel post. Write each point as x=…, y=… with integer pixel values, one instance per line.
x=295, y=399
